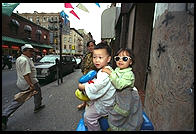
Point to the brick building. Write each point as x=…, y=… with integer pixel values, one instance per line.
x=16, y=31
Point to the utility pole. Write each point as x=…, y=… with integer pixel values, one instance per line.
x=60, y=44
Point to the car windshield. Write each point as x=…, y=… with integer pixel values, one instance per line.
x=78, y=60
x=49, y=58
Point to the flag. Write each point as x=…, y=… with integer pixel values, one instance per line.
x=97, y=4
x=8, y=8
x=68, y=5
x=63, y=14
x=82, y=7
x=72, y=12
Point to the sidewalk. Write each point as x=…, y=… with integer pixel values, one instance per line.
x=60, y=113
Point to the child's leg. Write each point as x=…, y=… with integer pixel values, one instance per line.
x=91, y=118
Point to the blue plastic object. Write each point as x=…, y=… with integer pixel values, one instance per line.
x=104, y=123
x=89, y=76
x=146, y=125
x=81, y=126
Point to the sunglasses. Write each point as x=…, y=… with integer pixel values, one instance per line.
x=124, y=58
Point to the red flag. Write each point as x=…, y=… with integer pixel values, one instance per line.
x=68, y=5
x=72, y=12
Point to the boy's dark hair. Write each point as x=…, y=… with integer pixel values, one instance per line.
x=90, y=42
x=103, y=45
x=127, y=50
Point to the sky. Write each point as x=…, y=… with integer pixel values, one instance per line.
x=90, y=22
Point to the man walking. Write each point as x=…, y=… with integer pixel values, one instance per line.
x=26, y=79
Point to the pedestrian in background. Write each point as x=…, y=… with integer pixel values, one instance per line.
x=26, y=79
x=87, y=65
x=10, y=58
x=5, y=61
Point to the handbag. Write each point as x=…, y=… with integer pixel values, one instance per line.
x=25, y=95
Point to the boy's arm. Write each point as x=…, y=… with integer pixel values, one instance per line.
x=81, y=86
x=127, y=79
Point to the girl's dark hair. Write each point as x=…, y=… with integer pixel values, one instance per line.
x=103, y=45
x=90, y=42
x=127, y=50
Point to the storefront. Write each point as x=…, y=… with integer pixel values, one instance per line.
x=11, y=46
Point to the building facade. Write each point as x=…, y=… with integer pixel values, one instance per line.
x=86, y=38
x=72, y=43
x=49, y=21
x=16, y=31
x=161, y=36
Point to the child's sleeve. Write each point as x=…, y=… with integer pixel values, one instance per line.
x=127, y=79
x=99, y=87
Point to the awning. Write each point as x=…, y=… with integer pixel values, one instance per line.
x=21, y=42
x=10, y=39
x=41, y=45
x=46, y=46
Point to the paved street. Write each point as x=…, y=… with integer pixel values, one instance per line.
x=60, y=113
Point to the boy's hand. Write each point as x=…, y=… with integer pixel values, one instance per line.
x=106, y=70
x=81, y=86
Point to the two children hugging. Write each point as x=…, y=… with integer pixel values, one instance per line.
x=122, y=107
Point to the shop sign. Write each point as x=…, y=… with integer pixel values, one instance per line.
x=5, y=46
x=15, y=47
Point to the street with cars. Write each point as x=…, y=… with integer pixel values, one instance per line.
x=60, y=113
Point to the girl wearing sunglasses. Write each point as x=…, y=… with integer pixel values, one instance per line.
x=127, y=113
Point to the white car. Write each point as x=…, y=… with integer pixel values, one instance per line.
x=78, y=62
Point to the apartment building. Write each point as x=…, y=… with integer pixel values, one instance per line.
x=49, y=21
x=72, y=43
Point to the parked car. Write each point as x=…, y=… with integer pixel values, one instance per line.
x=47, y=67
x=78, y=62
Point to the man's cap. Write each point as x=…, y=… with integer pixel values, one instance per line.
x=27, y=46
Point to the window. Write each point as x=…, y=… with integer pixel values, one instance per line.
x=56, y=18
x=70, y=39
x=14, y=25
x=64, y=39
x=44, y=19
x=28, y=31
x=37, y=19
x=38, y=35
x=31, y=19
